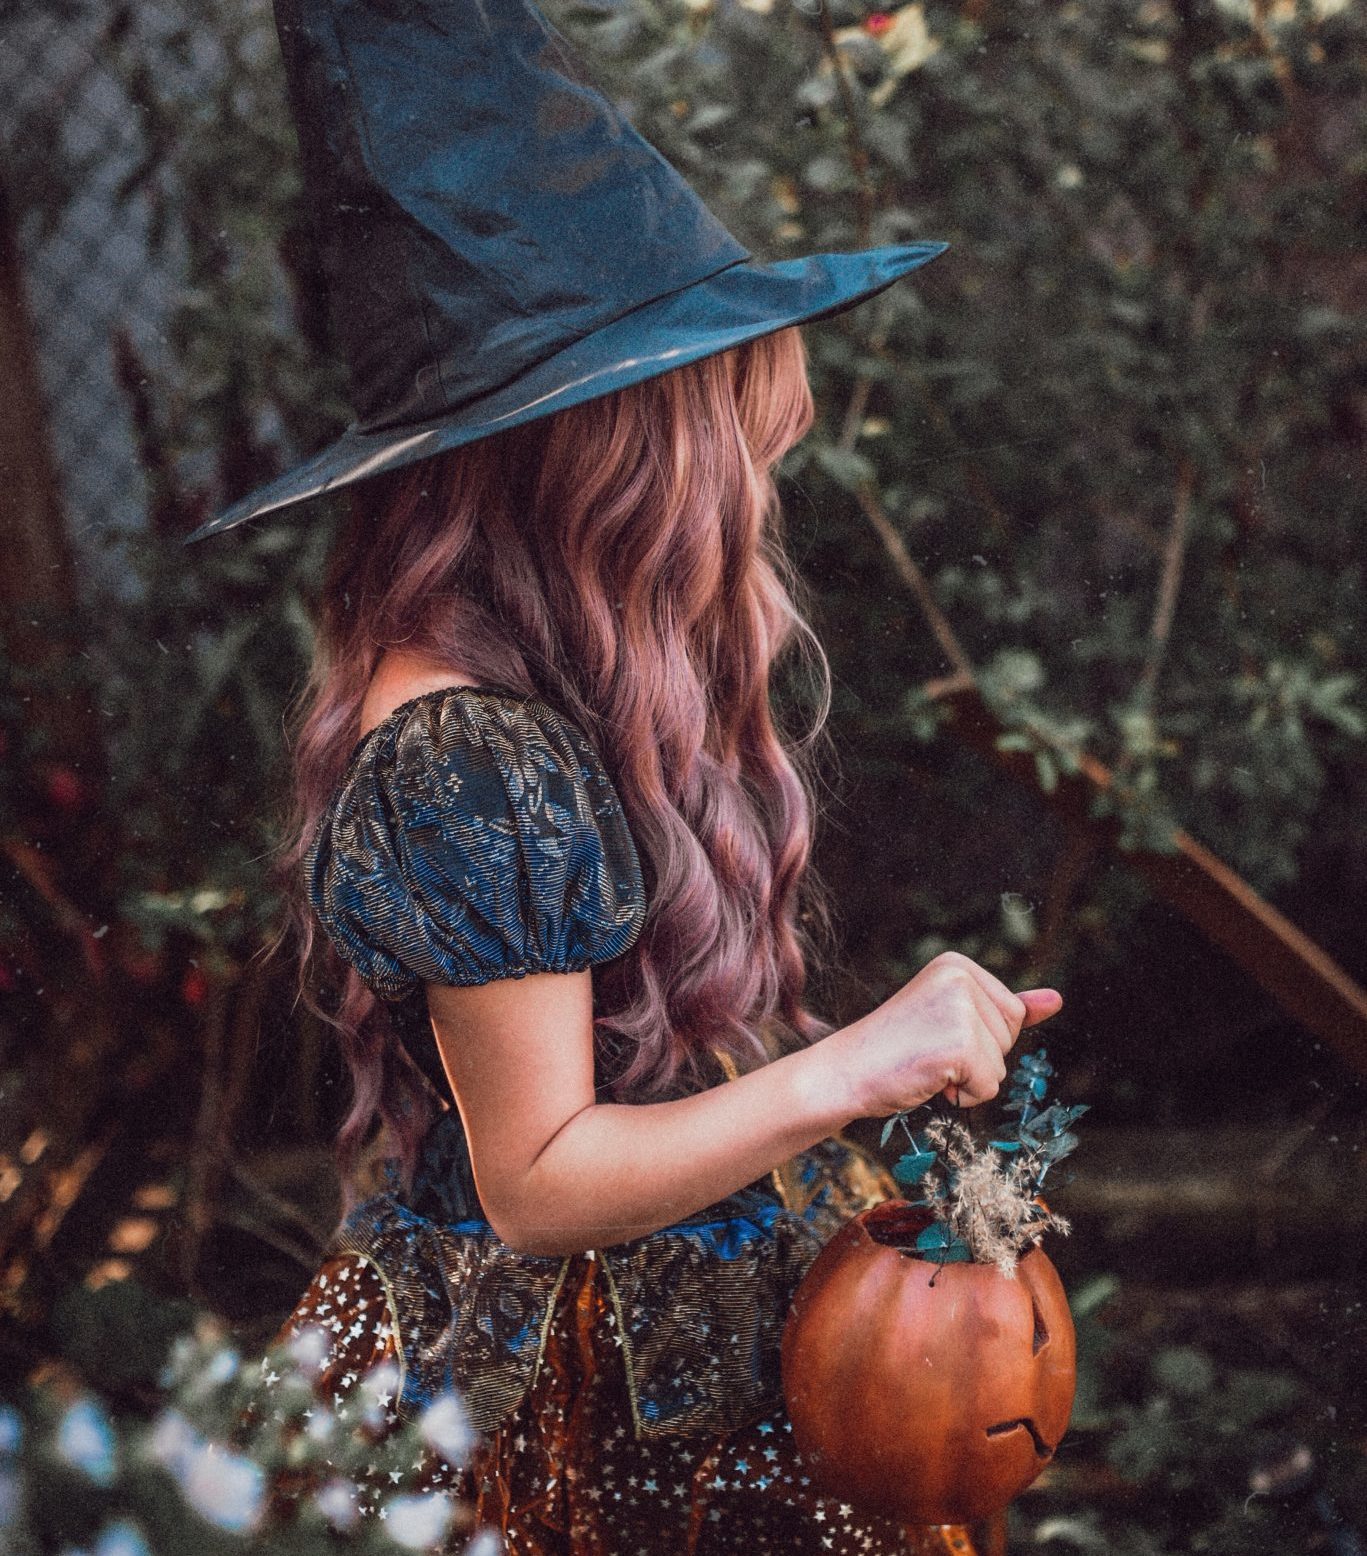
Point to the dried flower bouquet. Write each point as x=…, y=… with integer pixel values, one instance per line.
x=985, y=1198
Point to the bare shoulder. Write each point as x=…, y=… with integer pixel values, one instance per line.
x=399, y=676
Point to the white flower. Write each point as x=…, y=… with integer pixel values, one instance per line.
x=222, y=1367
x=309, y=1348
x=337, y=1503
x=85, y=1440
x=173, y=1443
x=121, y=1538
x=445, y=1426
x=417, y=1522
x=904, y=38
x=487, y=1542
x=908, y=41
x=225, y=1488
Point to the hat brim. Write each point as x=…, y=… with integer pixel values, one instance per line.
x=736, y=304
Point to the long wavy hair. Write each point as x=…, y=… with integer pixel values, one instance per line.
x=623, y=560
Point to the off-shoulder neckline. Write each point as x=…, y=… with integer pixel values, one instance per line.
x=411, y=702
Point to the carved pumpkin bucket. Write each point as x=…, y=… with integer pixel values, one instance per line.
x=930, y=1392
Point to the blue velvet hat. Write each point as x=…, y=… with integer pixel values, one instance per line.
x=498, y=241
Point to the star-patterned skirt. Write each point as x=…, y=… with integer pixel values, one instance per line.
x=563, y=1473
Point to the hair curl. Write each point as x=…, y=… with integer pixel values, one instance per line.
x=622, y=559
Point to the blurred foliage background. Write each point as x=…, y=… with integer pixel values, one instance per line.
x=1082, y=521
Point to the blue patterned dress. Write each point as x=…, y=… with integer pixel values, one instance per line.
x=628, y=1398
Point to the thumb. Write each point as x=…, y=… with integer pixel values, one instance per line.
x=1040, y=1004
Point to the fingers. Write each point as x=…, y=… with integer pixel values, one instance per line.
x=1026, y=1009
x=972, y=1093
x=1012, y=1007
x=998, y=1026
x=1001, y=1017
x=1040, y=1005
x=973, y=1021
x=978, y=1074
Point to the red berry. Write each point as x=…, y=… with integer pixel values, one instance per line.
x=64, y=789
x=142, y=966
x=194, y=987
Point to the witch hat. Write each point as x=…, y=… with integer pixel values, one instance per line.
x=498, y=242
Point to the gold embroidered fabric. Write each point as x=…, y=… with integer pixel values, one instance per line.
x=699, y=1305
x=475, y=834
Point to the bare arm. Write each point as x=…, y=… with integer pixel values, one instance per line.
x=558, y=1172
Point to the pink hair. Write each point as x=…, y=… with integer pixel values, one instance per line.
x=623, y=560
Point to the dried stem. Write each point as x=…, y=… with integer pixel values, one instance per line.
x=1174, y=555
x=858, y=151
x=990, y=1207
x=915, y=580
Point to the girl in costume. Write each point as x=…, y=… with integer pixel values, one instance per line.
x=554, y=836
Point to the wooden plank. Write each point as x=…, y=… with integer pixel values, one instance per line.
x=1299, y=974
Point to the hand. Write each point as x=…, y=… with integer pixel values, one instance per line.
x=948, y=1030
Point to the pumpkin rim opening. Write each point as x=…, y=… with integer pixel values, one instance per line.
x=897, y=1223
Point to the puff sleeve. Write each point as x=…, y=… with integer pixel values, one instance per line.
x=474, y=836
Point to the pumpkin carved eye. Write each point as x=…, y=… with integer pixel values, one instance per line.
x=1041, y=1336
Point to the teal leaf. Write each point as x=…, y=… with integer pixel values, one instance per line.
x=1058, y=1147
x=940, y=1244
x=912, y=1167
x=1050, y=1123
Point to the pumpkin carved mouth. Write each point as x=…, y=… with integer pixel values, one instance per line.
x=1023, y=1423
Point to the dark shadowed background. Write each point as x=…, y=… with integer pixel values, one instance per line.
x=1082, y=523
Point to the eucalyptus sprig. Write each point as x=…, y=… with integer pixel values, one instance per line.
x=1043, y=1132
x=985, y=1200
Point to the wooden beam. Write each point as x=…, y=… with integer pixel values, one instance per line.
x=1299, y=974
